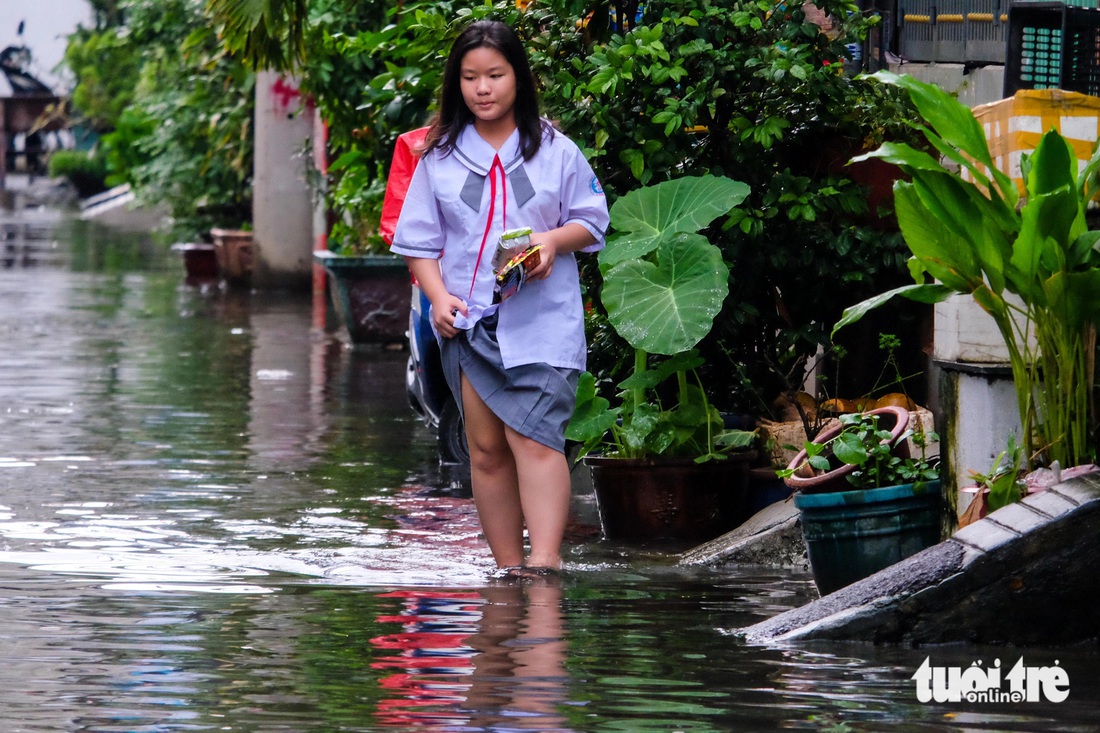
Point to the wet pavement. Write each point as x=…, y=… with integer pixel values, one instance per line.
x=216, y=516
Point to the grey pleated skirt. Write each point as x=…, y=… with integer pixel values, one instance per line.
x=535, y=400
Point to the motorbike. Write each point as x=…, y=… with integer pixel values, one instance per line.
x=426, y=387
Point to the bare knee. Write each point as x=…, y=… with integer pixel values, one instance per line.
x=488, y=455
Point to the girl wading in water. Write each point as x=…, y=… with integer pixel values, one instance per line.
x=491, y=164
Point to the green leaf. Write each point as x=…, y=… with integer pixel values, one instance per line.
x=922, y=293
x=592, y=417
x=953, y=120
x=668, y=306
x=644, y=217
x=849, y=449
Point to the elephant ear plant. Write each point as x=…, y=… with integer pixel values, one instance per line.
x=663, y=285
x=971, y=237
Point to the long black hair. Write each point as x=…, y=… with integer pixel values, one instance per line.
x=454, y=114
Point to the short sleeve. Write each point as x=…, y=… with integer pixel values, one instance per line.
x=583, y=200
x=419, y=230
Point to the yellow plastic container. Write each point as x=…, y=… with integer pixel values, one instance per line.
x=1013, y=126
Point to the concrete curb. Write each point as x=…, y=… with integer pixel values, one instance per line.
x=1026, y=574
x=772, y=536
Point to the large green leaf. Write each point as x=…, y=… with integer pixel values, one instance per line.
x=1074, y=298
x=927, y=293
x=668, y=306
x=957, y=134
x=941, y=251
x=950, y=118
x=645, y=217
x=902, y=155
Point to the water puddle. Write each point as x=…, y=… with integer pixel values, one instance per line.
x=215, y=517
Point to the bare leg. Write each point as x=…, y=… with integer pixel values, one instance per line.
x=544, y=490
x=493, y=478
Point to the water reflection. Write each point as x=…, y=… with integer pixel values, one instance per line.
x=469, y=659
x=214, y=516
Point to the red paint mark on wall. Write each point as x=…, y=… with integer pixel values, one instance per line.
x=285, y=94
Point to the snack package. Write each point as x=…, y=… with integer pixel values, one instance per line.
x=511, y=243
x=513, y=274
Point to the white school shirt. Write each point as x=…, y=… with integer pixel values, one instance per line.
x=446, y=216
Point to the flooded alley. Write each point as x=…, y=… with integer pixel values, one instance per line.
x=214, y=516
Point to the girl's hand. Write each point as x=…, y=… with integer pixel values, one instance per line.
x=444, y=312
x=547, y=255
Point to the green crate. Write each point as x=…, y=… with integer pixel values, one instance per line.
x=1053, y=46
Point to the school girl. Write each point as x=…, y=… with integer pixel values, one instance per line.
x=490, y=163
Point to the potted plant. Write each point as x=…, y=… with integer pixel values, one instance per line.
x=370, y=286
x=891, y=507
x=233, y=249
x=1033, y=266
x=663, y=464
x=1000, y=486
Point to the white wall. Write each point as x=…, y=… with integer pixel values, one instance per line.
x=282, y=206
x=47, y=26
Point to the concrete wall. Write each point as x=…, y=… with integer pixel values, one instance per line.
x=282, y=208
x=976, y=86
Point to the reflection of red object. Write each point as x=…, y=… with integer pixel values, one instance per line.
x=415, y=640
x=434, y=660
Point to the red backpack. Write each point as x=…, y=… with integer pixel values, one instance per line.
x=405, y=158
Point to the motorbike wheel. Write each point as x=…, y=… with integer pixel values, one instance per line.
x=451, y=435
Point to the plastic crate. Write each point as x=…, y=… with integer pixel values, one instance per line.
x=933, y=30
x=954, y=31
x=1013, y=126
x=1053, y=46
x=986, y=31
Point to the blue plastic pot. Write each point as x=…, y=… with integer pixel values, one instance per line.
x=853, y=534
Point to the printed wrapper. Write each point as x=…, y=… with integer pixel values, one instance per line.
x=510, y=243
x=513, y=274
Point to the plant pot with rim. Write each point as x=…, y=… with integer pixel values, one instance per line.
x=818, y=468
x=664, y=470
x=370, y=293
x=234, y=251
x=200, y=261
x=878, y=506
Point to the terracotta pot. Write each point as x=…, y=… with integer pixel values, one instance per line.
x=809, y=480
x=663, y=499
x=234, y=250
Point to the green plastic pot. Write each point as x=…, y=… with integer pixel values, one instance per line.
x=851, y=535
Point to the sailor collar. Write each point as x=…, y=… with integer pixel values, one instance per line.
x=480, y=158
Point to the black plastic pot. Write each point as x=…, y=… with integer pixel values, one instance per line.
x=676, y=499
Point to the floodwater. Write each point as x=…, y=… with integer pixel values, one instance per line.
x=215, y=517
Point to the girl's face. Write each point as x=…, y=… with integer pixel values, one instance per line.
x=488, y=85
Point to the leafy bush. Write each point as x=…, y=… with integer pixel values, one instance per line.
x=740, y=90
x=86, y=172
x=176, y=110
x=105, y=64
